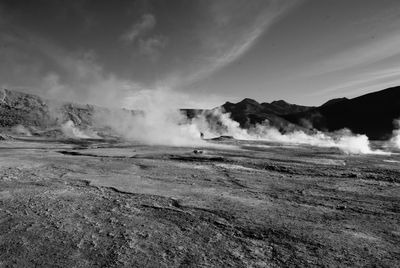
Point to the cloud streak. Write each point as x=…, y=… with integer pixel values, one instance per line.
x=226, y=48
x=53, y=72
x=370, y=51
x=158, y=54
x=147, y=23
x=363, y=83
x=151, y=46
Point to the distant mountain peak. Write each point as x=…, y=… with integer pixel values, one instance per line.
x=371, y=114
x=248, y=101
x=228, y=103
x=280, y=102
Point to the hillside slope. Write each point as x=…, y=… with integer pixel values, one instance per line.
x=371, y=114
x=249, y=112
x=17, y=108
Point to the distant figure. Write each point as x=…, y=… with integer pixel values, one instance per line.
x=201, y=135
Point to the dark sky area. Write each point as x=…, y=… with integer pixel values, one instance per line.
x=201, y=53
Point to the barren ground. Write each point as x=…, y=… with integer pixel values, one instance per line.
x=114, y=204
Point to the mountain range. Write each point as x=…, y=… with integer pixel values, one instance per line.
x=372, y=114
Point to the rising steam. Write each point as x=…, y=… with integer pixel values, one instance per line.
x=21, y=130
x=157, y=122
x=395, y=140
x=71, y=131
x=344, y=140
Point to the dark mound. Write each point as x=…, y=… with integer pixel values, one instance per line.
x=334, y=101
x=249, y=112
x=371, y=114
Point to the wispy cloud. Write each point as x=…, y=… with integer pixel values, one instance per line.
x=370, y=51
x=139, y=37
x=363, y=83
x=41, y=67
x=152, y=45
x=147, y=23
x=78, y=77
x=231, y=45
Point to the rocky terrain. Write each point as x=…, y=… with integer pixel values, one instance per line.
x=71, y=203
x=17, y=108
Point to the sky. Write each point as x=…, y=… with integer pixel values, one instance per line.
x=199, y=53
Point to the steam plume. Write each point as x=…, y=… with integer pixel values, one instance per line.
x=344, y=140
x=395, y=140
x=71, y=131
x=158, y=122
x=155, y=121
x=21, y=130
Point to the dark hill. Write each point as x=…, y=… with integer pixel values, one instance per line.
x=246, y=112
x=334, y=101
x=281, y=107
x=371, y=114
x=249, y=112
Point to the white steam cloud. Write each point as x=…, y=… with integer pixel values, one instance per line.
x=21, y=130
x=157, y=127
x=157, y=121
x=395, y=140
x=71, y=131
x=344, y=140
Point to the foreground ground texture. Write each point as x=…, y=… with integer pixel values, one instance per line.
x=110, y=204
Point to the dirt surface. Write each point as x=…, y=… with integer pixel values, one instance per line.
x=113, y=204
